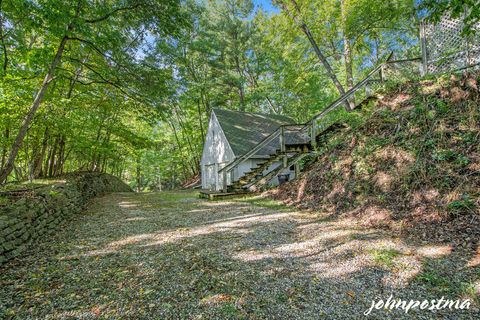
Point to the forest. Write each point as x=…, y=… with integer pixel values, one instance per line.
x=239, y=159
x=126, y=87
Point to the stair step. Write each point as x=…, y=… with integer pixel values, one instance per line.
x=256, y=173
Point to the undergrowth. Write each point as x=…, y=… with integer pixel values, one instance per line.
x=409, y=160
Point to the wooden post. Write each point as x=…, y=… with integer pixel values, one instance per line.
x=216, y=176
x=467, y=41
x=282, y=147
x=423, y=45
x=282, y=139
x=224, y=173
x=313, y=133
x=297, y=170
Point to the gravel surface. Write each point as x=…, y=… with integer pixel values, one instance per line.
x=173, y=256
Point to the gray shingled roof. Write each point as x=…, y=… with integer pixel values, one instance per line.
x=244, y=130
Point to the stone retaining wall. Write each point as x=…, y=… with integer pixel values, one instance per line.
x=25, y=218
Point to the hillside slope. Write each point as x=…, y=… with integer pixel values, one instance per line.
x=412, y=166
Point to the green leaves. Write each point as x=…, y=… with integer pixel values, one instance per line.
x=467, y=10
x=103, y=100
x=138, y=78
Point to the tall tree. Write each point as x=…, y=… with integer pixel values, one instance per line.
x=296, y=17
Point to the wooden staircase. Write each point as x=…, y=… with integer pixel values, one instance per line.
x=256, y=175
x=255, y=179
x=298, y=140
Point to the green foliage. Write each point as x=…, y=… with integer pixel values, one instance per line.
x=53, y=193
x=137, y=80
x=435, y=281
x=442, y=284
x=469, y=289
x=229, y=311
x=384, y=256
x=101, y=108
x=467, y=10
x=263, y=202
x=456, y=207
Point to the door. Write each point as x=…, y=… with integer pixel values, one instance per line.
x=210, y=176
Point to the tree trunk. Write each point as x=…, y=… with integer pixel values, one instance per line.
x=241, y=90
x=47, y=162
x=31, y=113
x=138, y=175
x=51, y=165
x=95, y=155
x=65, y=157
x=200, y=121
x=347, y=54
x=60, y=156
x=2, y=39
x=205, y=103
x=4, y=151
x=186, y=137
x=37, y=165
x=301, y=24
x=180, y=148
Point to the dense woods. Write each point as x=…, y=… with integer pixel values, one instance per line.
x=126, y=87
x=337, y=143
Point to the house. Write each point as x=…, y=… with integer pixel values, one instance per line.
x=231, y=134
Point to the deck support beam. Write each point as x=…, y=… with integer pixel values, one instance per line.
x=224, y=178
x=297, y=170
x=216, y=176
x=282, y=147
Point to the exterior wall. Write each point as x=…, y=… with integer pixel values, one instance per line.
x=216, y=154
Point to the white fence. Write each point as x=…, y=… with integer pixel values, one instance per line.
x=446, y=48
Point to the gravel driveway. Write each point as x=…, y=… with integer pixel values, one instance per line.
x=173, y=256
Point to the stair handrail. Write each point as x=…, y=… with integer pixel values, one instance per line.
x=276, y=133
x=254, y=150
x=311, y=123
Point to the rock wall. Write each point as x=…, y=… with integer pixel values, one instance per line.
x=33, y=214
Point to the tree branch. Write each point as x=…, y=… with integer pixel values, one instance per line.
x=111, y=13
x=114, y=84
x=99, y=51
x=2, y=38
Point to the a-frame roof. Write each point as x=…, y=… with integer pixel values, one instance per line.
x=244, y=130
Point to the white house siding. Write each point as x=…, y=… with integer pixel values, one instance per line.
x=220, y=177
x=216, y=154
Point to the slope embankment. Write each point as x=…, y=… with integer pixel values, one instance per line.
x=25, y=216
x=412, y=166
